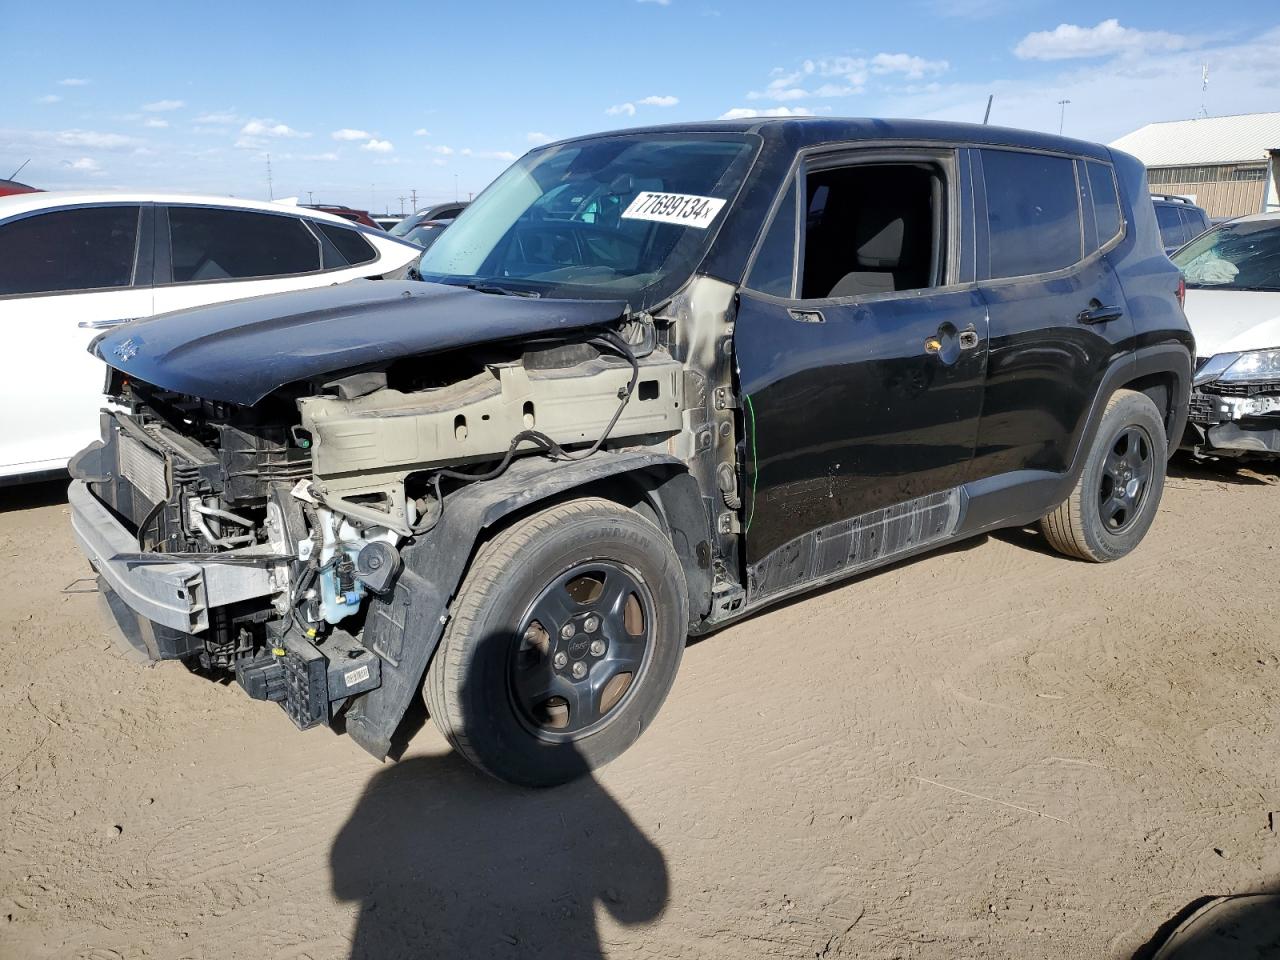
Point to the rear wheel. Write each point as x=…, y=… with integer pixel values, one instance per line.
x=562, y=645
x=1115, y=500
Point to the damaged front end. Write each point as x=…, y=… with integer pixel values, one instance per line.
x=1235, y=406
x=252, y=540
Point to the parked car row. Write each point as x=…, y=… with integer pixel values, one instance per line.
x=75, y=263
x=652, y=382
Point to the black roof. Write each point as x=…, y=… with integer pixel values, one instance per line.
x=803, y=132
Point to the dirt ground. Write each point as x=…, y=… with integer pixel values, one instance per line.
x=988, y=752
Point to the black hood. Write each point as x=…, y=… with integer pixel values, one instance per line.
x=240, y=351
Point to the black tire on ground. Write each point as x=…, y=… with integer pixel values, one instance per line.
x=492, y=653
x=1118, y=493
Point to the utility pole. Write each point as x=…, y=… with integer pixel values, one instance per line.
x=402, y=200
x=1062, y=114
x=413, y=200
x=310, y=199
x=270, y=189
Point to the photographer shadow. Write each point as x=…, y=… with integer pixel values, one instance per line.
x=446, y=862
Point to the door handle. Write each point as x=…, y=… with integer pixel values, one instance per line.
x=104, y=324
x=1097, y=313
x=807, y=316
x=966, y=339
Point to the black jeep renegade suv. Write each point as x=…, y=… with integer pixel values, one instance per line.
x=646, y=384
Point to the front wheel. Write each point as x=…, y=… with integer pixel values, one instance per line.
x=1116, y=498
x=562, y=645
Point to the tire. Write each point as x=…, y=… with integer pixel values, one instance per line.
x=1116, y=498
x=487, y=686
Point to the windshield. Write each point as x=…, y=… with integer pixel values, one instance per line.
x=404, y=226
x=1242, y=255
x=623, y=217
x=425, y=234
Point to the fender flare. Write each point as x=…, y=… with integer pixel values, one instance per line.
x=1024, y=496
x=404, y=628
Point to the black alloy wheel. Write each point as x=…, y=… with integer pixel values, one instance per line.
x=1126, y=478
x=562, y=642
x=581, y=646
x=1117, y=491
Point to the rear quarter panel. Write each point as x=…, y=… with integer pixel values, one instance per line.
x=1148, y=278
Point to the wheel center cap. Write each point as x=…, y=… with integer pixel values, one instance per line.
x=579, y=646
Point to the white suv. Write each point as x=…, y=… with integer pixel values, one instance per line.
x=73, y=264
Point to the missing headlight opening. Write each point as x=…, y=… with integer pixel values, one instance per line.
x=302, y=504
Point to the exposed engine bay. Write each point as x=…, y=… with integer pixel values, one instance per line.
x=305, y=499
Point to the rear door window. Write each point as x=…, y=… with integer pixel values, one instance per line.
x=92, y=248
x=214, y=244
x=1192, y=224
x=1172, y=228
x=1033, y=213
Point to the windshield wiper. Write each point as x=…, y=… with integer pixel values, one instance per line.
x=501, y=291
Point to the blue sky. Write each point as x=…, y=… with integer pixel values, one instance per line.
x=360, y=103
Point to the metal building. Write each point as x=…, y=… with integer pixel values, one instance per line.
x=1228, y=165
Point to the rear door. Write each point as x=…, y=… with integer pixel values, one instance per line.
x=68, y=274
x=861, y=355
x=1057, y=312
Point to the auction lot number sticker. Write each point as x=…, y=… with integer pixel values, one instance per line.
x=682, y=208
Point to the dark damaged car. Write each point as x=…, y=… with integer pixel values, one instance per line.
x=648, y=383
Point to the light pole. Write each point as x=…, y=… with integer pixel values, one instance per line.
x=1062, y=114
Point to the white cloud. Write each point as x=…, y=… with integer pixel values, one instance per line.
x=829, y=77
x=346, y=133
x=269, y=128
x=1068, y=41
x=487, y=154
x=162, y=106
x=87, y=164
x=660, y=101
x=74, y=82
x=48, y=98
x=218, y=117
x=537, y=138
x=441, y=149
x=320, y=156
x=627, y=109
x=90, y=138
x=421, y=132
x=661, y=3
x=378, y=146
x=746, y=113
x=1157, y=85
x=911, y=67
x=155, y=123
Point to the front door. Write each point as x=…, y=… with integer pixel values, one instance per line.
x=862, y=384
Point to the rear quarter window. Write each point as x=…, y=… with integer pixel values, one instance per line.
x=1033, y=213
x=354, y=248
x=1106, y=202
